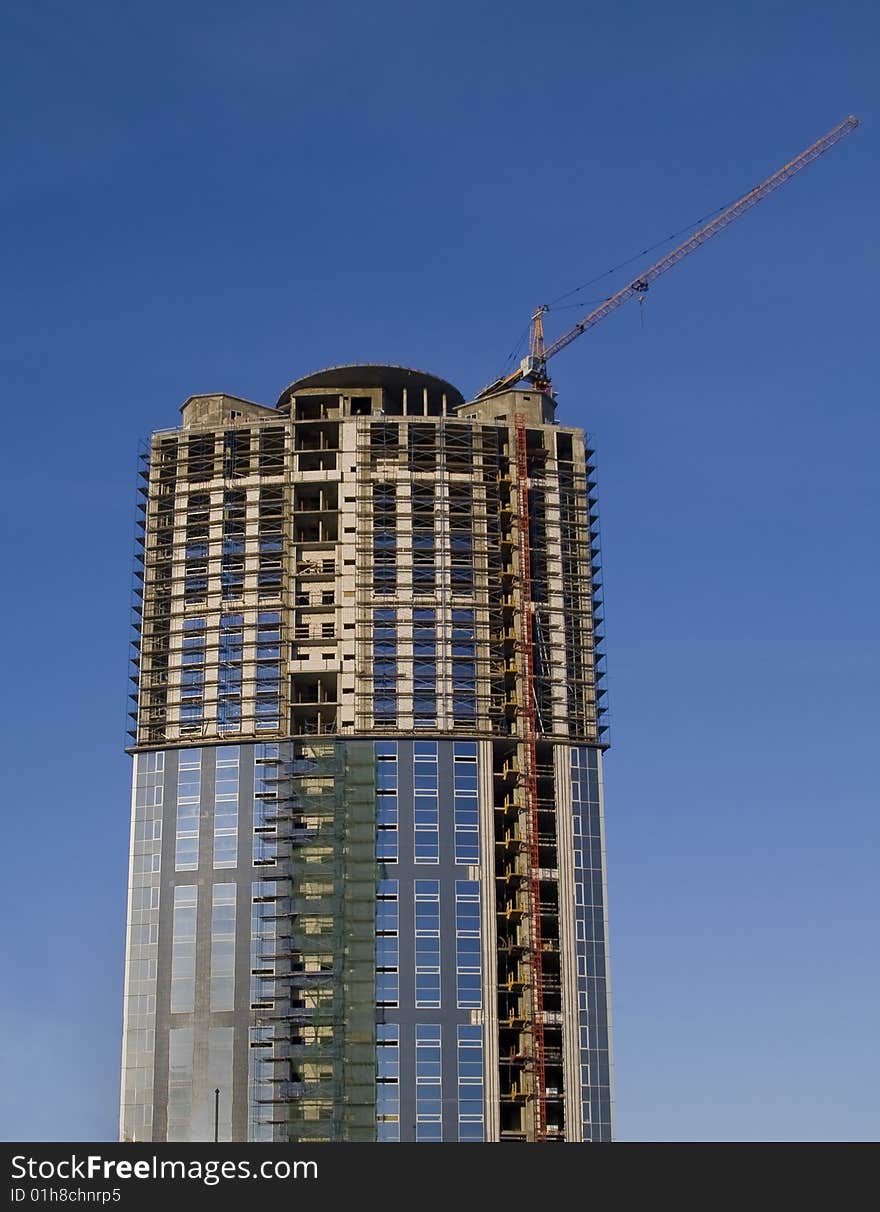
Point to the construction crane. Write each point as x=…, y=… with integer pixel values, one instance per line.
x=534, y=367
x=533, y=1060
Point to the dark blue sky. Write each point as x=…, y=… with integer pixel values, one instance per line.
x=217, y=196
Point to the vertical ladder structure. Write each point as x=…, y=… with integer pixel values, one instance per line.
x=530, y=784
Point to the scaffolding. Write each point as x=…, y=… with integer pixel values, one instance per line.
x=314, y=981
x=531, y=709
x=436, y=532
x=212, y=611
x=527, y=892
x=240, y=563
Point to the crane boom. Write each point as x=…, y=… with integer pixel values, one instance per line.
x=534, y=367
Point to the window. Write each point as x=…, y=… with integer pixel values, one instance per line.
x=464, y=667
x=590, y=943
x=226, y=807
x=424, y=668
x=271, y=454
x=192, y=689
x=261, y=1085
x=229, y=672
x=466, y=802
x=384, y=667
x=270, y=530
x=183, y=949
x=232, y=552
x=387, y=989
x=189, y=776
x=387, y=931
x=180, y=1083
x=384, y=538
x=267, y=706
x=461, y=537
x=429, y=1084
x=193, y=641
x=470, y=1083
x=220, y=1076
x=264, y=911
x=422, y=447
x=468, y=962
x=223, y=947
x=426, y=808
x=424, y=546
x=427, y=937
x=266, y=759
x=386, y=801
x=388, y=1082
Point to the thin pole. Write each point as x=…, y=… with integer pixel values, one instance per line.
x=216, y=1115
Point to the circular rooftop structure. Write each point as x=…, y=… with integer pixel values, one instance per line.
x=372, y=374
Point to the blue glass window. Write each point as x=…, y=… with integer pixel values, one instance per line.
x=470, y=1083
x=466, y=803
x=429, y=1085
x=226, y=807
x=388, y=1082
x=426, y=804
x=468, y=960
x=427, y=943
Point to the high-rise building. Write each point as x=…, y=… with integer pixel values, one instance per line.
x=367, y=893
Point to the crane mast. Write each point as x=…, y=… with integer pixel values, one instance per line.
x=534, y=367
x=535, y=1056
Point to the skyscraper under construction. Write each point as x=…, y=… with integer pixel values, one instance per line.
x=367, y=895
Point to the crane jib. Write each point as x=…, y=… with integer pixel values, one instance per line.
x=640, y=284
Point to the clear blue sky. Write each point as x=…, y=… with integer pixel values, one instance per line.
x=218, y=196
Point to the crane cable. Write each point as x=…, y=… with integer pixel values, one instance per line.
x=554, y=305
x=636, y=256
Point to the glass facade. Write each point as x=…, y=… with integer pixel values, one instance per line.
x=180, y=1083
x=189, y=783
x=261, y=1073
x=466, y=803
x=387, y=807
x=471, y=1115
x=591, y=935
x=468, y=965
x=429, y=1082
x=263, y=942
x=387, y=944
x=226, y=807
x=427, y=953
x=223, y=947
x=430, y=991
x=183, y=949
x=429, y=938
x=388, y=1082
x=219, y=1077
x=142, y=949
x=426, y=815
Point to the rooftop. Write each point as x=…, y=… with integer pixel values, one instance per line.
x=371, y=374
